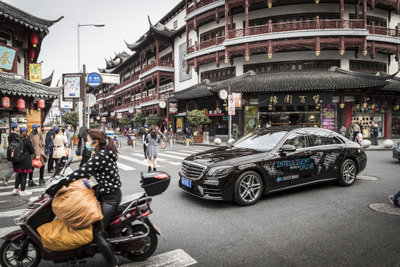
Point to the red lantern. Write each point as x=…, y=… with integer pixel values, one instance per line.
x=34, y=39
x=21, y=104
x=40, y=104
x=5, y=102
x=31, y=53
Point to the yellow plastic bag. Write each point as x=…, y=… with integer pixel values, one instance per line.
x=56, y=236
x=76, y=205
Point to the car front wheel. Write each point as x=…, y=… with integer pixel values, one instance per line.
x=348, y=173
x=248, y=188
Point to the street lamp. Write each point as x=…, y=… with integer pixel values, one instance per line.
x=82, y=113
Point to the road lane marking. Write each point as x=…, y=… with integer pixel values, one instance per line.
x=125, y=167
x=175, y=258
x=11, y=213
x=178, y=153
x=29, y=189
x=142, y=162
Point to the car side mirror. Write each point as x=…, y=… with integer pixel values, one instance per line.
x=287, y=148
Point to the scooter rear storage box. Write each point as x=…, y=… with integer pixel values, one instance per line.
x=154, y=183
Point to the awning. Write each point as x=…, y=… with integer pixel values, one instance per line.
x=104, y=114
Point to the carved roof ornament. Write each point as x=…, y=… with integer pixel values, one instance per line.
x=25, y=19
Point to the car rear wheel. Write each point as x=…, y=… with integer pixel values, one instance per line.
x=248, y=188
x=348, y=173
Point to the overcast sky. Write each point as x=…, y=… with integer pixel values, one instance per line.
x=124, y=20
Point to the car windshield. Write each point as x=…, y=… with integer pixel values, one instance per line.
x=259, y=141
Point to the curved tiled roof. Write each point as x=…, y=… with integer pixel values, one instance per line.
x=301, y=80
x=11, y=84
x=195, y=91
x=27, y=20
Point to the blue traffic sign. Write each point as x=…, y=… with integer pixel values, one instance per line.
x=94, y=79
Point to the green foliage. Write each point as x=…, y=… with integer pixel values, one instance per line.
x=124, y=120
x=71, y=118
x=196, y=117
x=152, y=119
x=138, y=119
x=94, y=125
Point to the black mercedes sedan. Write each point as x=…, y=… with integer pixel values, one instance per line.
x=270, y=160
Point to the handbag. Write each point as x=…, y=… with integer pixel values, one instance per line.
x=37, y=163
x=67, y=152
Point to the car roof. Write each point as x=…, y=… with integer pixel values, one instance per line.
x=290, y=128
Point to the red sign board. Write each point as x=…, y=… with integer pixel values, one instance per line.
x=173, y=108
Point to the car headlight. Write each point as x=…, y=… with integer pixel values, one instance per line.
x=219, y=171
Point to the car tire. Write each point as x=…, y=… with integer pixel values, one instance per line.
x=348, y=173
x=248, y=188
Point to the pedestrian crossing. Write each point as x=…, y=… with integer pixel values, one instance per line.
x=127, y=161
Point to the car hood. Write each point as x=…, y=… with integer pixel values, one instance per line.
x=224, y=156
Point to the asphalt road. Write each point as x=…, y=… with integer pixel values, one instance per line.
x=316, y=225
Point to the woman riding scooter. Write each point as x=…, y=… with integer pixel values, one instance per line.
x=103, y=166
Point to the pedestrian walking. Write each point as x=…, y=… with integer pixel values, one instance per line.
x=356, y=131
x=144, y=139
x=37, y=144
x=394, y=199
x=82, y=150
x=343, y=130
x=49, y=148
x=59, y=140
x=25, y=166
x=67, y=133
x=14, y=134
x=153, y=141
x=376, y=133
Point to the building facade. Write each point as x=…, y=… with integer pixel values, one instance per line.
x=322, y=63
x=22, y=100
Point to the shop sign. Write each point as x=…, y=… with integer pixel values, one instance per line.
x=103, y=119
x=130, y=110
x=328, y=117
x=223, y=94
x=119, y=115
x=253, y=101
x=7, y=57
x=173, y=108
x=35, y=72
x=238, y=99
x=91, y=120
x=295, y=99
x=349, y=98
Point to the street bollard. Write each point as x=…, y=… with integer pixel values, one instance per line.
x=134, y=143
x=187, y=142
x=170, y=142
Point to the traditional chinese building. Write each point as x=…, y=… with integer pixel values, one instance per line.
x=22, y=100
x=322, y=63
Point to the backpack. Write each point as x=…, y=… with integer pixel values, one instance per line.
x=15, y=151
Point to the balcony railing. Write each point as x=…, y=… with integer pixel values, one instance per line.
x=312, y=25
x=152, y=65
x=132, y=79
x=200, y=5
x=207, y=43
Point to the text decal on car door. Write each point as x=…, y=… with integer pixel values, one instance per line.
x=301, y=164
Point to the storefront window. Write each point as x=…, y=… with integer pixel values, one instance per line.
x=251, y=119
x=300, y=118
x=369, y=116
x=396, y=125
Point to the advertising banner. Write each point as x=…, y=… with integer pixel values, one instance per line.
x=329, y=117
x=173, y=108
x=72, y=88
x=35, y=72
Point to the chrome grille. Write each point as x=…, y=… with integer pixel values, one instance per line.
x=191, y=170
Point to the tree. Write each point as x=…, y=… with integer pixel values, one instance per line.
x=72, y=118
x=94, y=125
x=196, y=117
x=138, y=119
x=124, y=120
x=152, y=119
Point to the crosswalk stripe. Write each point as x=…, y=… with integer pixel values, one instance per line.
x=179, y=153
x=171, y=156
x=30, y=190
x=125, y=167
x=142, y=162
x=6, y=230
x=11, y=213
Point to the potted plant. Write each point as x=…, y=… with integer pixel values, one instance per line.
x=196, y=118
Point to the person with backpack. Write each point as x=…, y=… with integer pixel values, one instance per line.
x=21, y=150
x=14, y=134
x=39, y=154
x=49, y=149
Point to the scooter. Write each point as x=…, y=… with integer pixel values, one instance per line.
x=131, y=139
x=130, y=232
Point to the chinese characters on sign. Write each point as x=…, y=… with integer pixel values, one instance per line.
x=295, y=99
x=35, y=72
x=7, y=57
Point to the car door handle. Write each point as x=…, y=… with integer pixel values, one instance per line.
x=307, y=153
